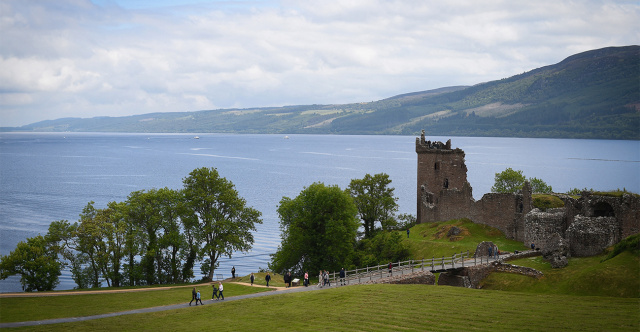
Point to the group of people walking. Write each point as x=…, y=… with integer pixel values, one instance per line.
x=217, y=293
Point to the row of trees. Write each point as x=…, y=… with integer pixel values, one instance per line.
x=319, y=227
x=154, y=237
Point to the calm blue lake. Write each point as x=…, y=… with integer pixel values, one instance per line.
x=52, y=176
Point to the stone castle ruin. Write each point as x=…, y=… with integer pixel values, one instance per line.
x=583, y=227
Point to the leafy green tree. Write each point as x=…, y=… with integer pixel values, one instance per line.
x=539, y=186
x=36, y=262
x=318, y=230
x=375, y=202
x=384, y=247
x=508, y=181
x=221, y=219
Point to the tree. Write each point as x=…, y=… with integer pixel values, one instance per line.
x=375, y=201
x=318, y=230
x=36, y=263
x=221, y=217
x=539, y=186
x=508, y=181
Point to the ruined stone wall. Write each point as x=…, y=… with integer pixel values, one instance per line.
x=628, y=212
x=539, y=226
x=497, y=210
x=589, y=236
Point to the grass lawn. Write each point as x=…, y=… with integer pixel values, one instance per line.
x=431, y=240
x=18, y=309
x=387, y=308
x=619, y=276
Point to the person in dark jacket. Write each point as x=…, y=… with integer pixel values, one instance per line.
x=267, y=278
x=233, y=272
x=194, y=295
x=215, y=292
x=342, y=276
x=252, y=278
x=287, y=279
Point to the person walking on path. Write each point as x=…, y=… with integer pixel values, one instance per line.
x=215, y=292
x=198, y=298
x=342, y=276
x=327, y=281
x=497, y=253
x=407, y=233
x=220, y=289
x=490, y=251
x=306, y=279
x=267, y=278
x=233, y=272
x=194, y=295
x=287, y=279
x=390, y=269
x=320, y=281
x=252, y=278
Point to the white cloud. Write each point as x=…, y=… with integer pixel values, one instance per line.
x=76, y=58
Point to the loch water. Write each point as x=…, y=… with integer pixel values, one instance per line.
x=52, y=176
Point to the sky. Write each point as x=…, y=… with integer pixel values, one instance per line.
x=82, y=58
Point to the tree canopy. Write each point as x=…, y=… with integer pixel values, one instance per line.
x=375, y=201
x=318, y=230
x=221, y=219
x=510, y=181
x=35, y=262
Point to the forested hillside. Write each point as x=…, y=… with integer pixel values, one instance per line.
x=595, y=94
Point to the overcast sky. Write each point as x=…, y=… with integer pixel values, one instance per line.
x=81, y=58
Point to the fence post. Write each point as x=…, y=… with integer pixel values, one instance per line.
x=443, y=262
x=411, y=266
x=453, y=261
x=432, y=258
x=462, y=258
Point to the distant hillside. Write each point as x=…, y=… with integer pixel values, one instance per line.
x=595, y=94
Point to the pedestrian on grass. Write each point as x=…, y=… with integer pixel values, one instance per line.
x=220, y=289
x=233, y=272
x=194, y=295
x=407, y=233
x=267, y=278
x=252, y=278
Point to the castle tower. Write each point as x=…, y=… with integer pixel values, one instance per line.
x=441, y=172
